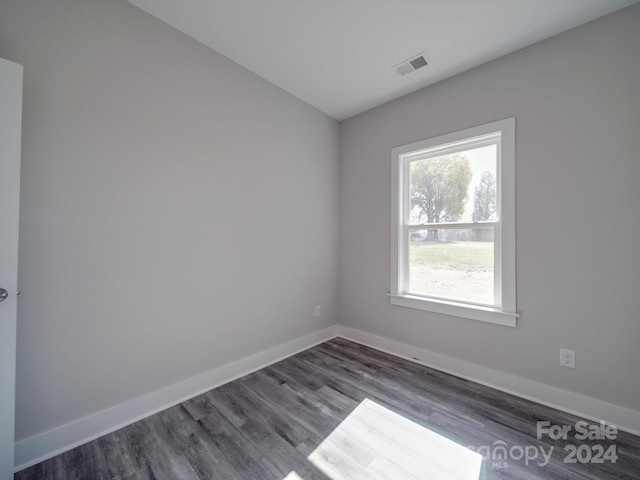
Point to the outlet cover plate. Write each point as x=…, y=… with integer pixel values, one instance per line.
x=567, y=358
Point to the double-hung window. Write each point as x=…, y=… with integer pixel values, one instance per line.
x=453, y=224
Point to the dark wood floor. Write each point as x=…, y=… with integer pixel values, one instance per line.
x=344, y=411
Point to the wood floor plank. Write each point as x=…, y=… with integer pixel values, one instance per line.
x=197, y=447
x=341, y=411
x=336, y=464
x=122, y=457
x=384, y=469
x=199, y=406
x=346, y=379
x=281, y=453
x=251, y=401
x=240, y=451
x=305, y=412
x=161, y=453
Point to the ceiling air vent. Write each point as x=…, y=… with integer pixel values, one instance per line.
x=411, y=65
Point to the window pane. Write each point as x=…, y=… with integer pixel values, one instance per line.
x=452, y=263
x=458, y=187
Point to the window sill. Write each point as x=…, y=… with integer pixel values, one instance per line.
x=472, y=312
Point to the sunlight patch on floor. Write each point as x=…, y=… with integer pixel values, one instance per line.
x=374, y=442
x=293, y=476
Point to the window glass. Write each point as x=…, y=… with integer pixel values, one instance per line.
x=452, y=263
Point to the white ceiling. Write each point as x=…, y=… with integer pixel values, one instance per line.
x=337, y=54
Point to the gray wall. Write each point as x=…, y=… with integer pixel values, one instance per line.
x=576, y=100
x=178, y=212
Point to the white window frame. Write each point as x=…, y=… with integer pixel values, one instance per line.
x=503, y=312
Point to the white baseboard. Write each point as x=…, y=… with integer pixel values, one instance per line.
x=574, y=403
x=45, y=445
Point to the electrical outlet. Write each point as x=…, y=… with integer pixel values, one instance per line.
x=317, y=310
x=567, y=358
